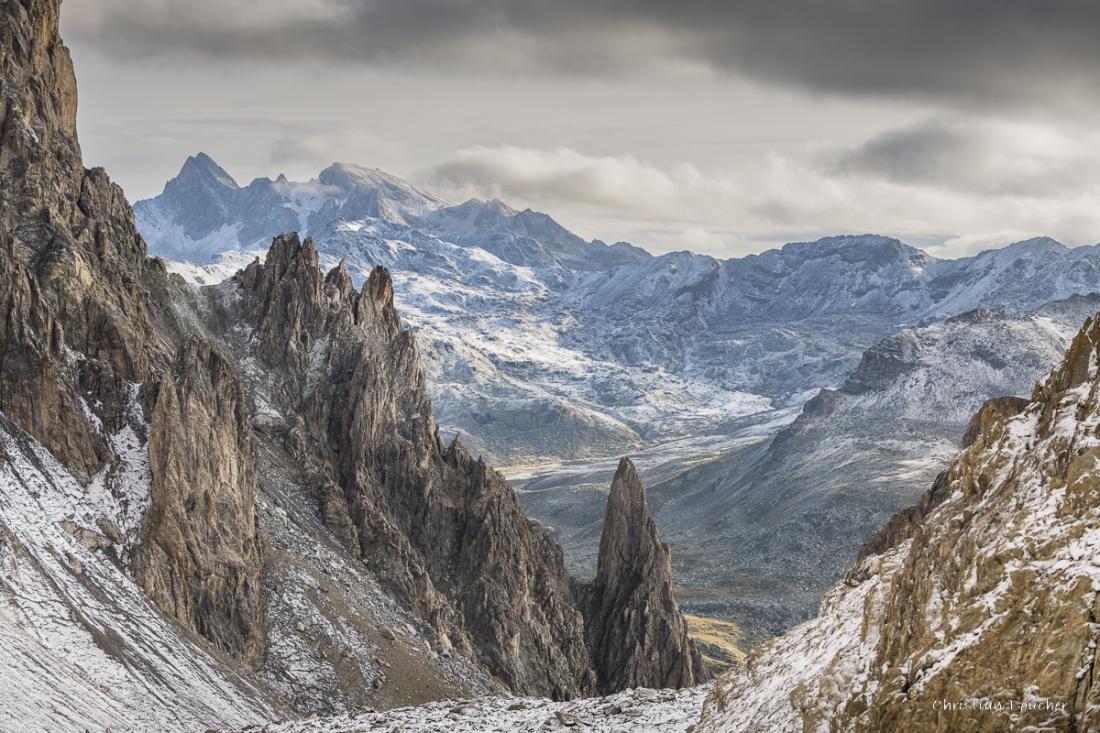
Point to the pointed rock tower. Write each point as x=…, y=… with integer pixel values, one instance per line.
x=636, y=635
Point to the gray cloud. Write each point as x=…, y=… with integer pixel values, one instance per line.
x=968, y=185
x=966, y=123
x=982, y=157
x=976, y=51
x=319, y=148
x=622, y=183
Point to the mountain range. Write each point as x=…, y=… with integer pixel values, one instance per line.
x=972, y=610
x=553, y=355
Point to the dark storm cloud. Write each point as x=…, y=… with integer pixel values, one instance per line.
x=976, y=50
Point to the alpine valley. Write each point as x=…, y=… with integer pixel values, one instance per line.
x=248, y=438
x=780, y=407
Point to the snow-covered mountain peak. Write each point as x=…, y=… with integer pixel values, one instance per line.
x=1036, y=246
x=201, y=169
x=394, y=196
x=866, y=249
x=204, y=217
x=527, y=238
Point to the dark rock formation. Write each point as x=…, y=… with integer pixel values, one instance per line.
x=441, y=529
x=96, y=337
x=199, y=559
x=636, y=634
x=86, y=314
x=72, y=262
x=991, y=414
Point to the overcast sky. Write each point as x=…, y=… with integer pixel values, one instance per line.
x=721, y=127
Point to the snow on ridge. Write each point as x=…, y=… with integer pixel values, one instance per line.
x=1011, y=528
x=817, y=660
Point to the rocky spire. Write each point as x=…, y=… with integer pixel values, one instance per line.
x=636, y=635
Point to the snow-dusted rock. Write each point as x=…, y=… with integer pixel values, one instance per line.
x=983, y=618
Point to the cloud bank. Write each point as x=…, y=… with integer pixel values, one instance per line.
x=918, y=182
x=718, y=126
x=978, y=51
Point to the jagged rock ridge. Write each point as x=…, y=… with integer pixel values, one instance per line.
x=441, y=528
x=635, y=631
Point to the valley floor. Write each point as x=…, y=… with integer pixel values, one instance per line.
x=569, y=497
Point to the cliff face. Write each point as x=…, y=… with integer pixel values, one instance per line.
x=979, y=615
x=635, y=631
x=199, y=558
x=997, y=597
x=72, y=261
x=88, y=319
x=441, y=529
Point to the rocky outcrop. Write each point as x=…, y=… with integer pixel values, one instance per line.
x=983, y=614
x=36, y=389
x=990, y=416
x=73, y=229
x=636, y=634
x=441, y=529
x=145, y=391
x=199, y=556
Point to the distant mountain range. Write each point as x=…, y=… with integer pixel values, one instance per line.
x=555, y=354
x=597, y=348
x=203, y=212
